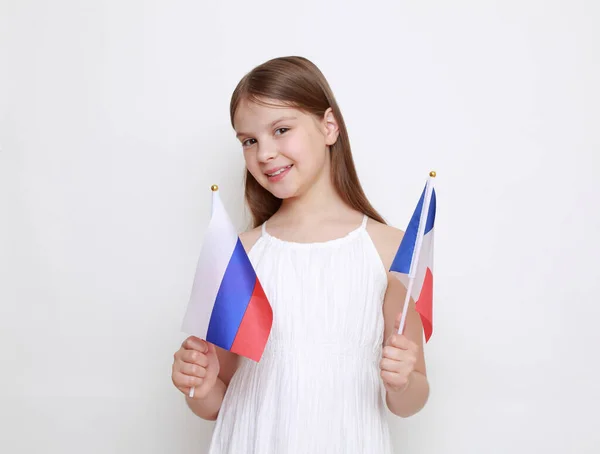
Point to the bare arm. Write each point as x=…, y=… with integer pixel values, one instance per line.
x=403, y=363
x=414, y=393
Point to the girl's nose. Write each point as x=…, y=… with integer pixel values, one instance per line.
x=267, y=151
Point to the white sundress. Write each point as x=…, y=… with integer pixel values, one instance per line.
x=317, y=388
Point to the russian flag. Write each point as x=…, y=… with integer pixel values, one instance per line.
x=413, y=263
x=227, y=306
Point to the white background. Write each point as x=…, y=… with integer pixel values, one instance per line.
x=114, y=124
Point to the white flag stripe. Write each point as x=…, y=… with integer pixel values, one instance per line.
x=425, y=261
x=414, y=265
x=218, y=246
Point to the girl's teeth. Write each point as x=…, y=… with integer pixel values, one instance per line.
x=279, y=171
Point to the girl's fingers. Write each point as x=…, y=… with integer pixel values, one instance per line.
x=393, y=353
x=194, y=343
x=399, y=341
x=394, y=380
x=183, y=381
x=194, y=357
x=193, y=370
x=390, y=365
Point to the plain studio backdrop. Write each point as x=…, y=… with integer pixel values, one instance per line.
x=114, y=124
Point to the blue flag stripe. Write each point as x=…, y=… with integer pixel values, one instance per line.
x=232, y=299
x=404, y=255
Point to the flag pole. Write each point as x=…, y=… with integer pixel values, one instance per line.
x=417, y=250
x=214, y=188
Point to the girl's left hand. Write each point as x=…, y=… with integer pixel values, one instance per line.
x=398, y=361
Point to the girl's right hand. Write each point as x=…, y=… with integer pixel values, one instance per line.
x=196, y=365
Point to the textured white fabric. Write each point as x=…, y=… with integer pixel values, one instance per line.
x=317, y=388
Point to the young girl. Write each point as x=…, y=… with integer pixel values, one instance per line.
x=334, y=360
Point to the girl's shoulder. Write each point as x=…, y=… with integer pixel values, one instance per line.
x=386, y=240
x=250, y=237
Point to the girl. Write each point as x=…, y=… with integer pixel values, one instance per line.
x=334, y=360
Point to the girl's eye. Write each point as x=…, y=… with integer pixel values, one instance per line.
x=280, y=131
x=248, y=142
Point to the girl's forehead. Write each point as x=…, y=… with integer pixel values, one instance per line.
x=252, y=114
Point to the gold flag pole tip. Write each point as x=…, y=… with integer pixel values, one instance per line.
x=432, y=174
x=214, y=188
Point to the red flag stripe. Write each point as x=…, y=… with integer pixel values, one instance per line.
x=424, y=304
x=255, y=326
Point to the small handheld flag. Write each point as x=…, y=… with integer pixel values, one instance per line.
x=227, y=306
x=413, y=263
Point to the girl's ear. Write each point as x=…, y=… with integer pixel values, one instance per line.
x=331, y=127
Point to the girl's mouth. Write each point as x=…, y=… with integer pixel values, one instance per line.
x=279, y=173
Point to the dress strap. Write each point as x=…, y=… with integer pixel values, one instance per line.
x=264, y=228
x=364, y=221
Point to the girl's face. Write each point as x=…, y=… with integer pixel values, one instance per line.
x=285, y=149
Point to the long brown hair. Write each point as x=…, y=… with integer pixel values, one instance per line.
x=297, y=82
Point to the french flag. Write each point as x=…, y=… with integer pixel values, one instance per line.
x=413, y=263
x=227, y=306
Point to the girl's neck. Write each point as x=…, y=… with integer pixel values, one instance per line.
x=320, y=202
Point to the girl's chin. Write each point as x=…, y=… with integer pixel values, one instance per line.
x=282, y=192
